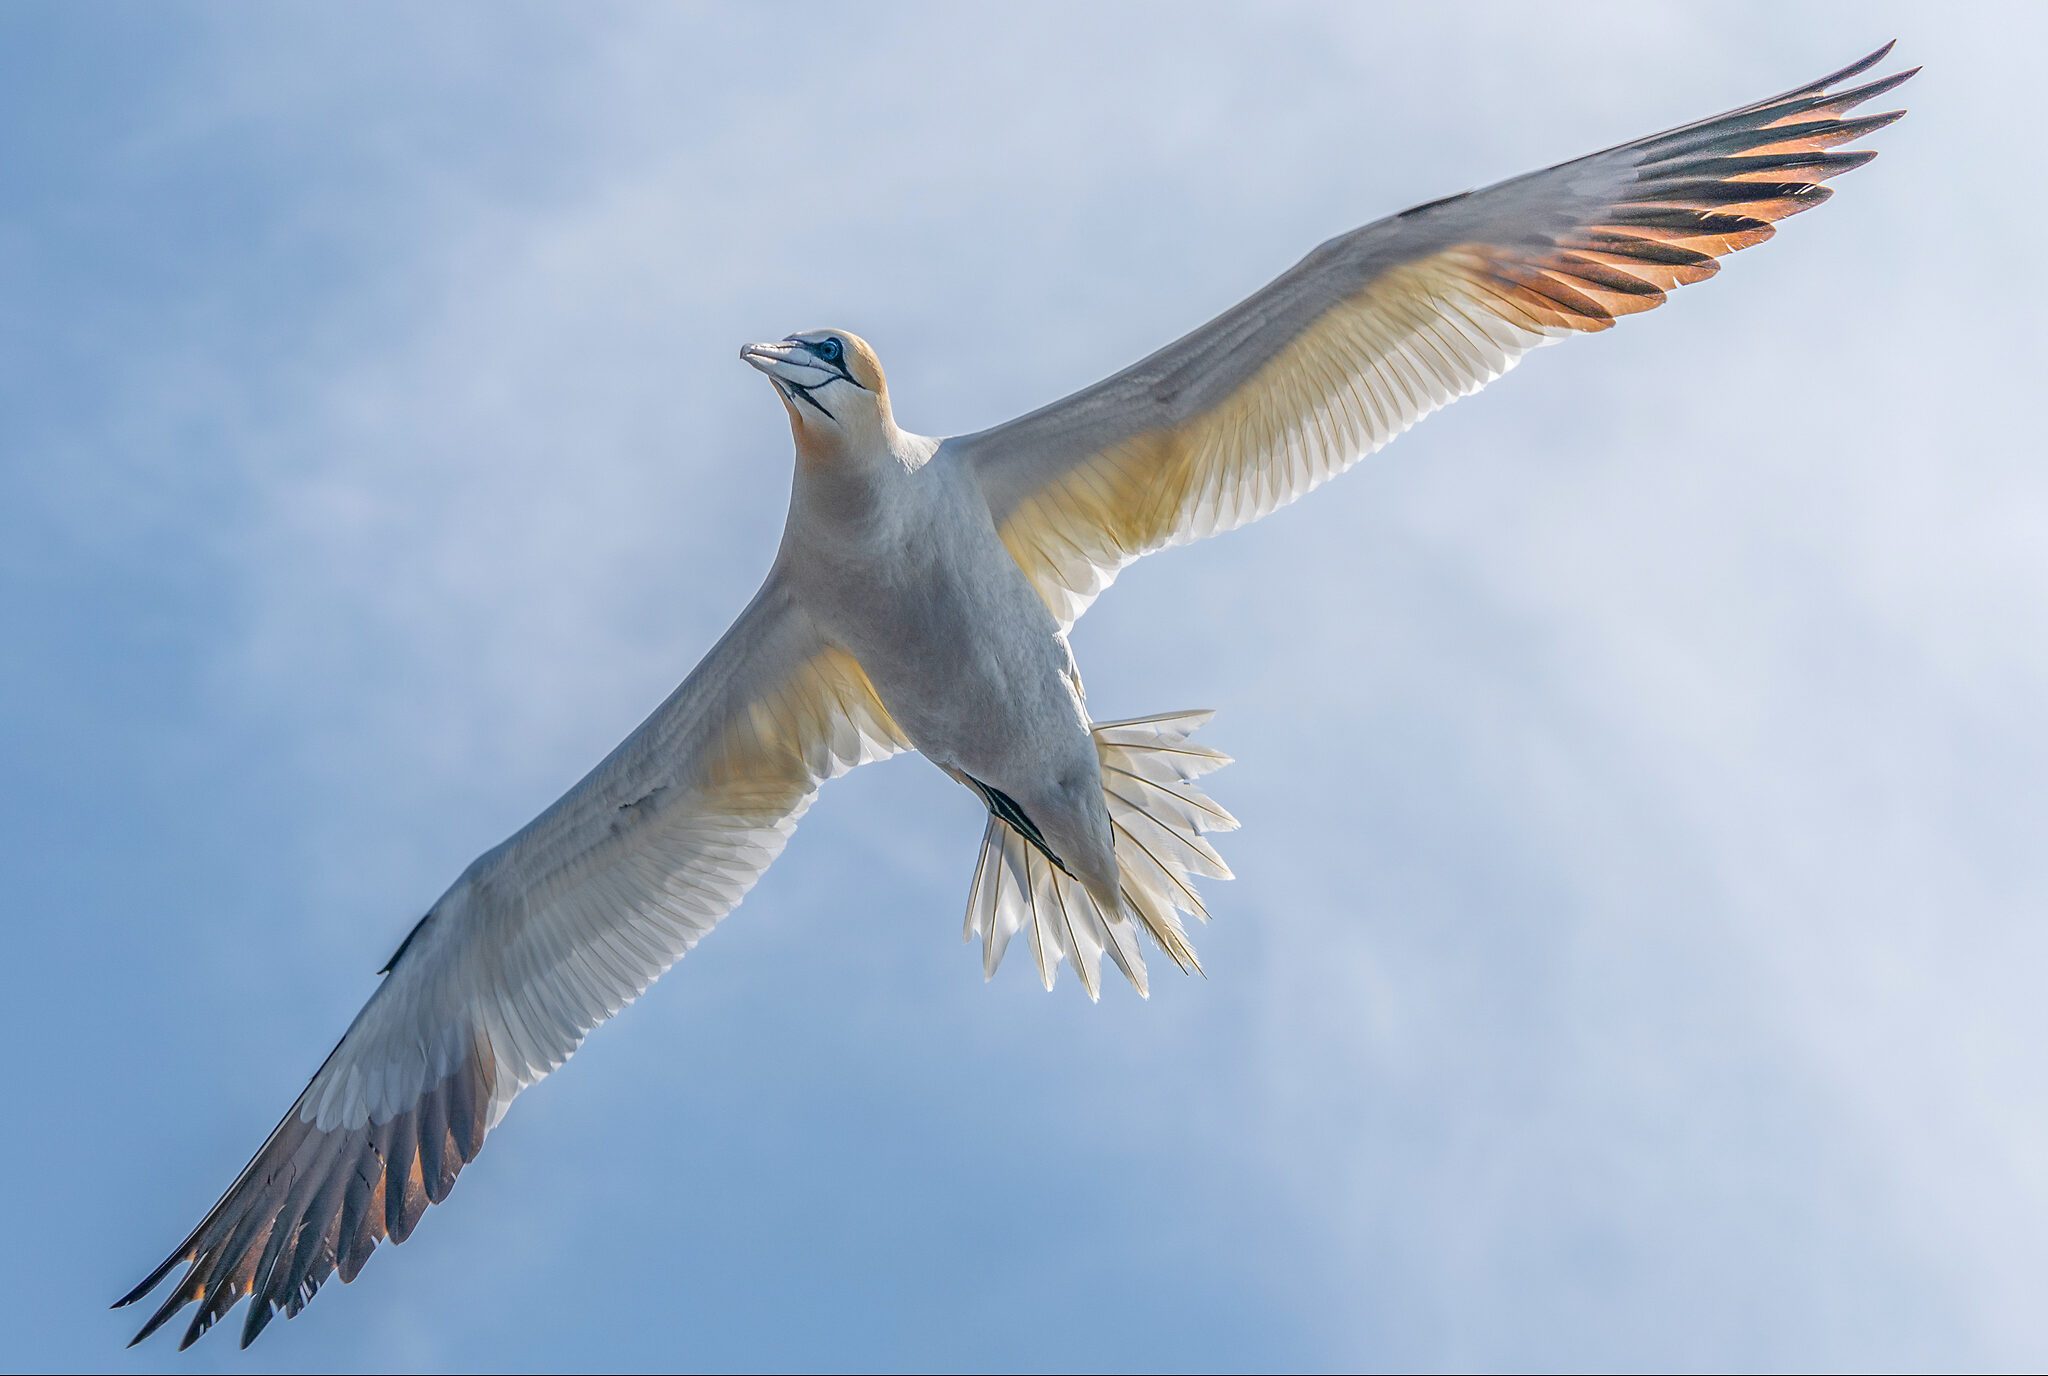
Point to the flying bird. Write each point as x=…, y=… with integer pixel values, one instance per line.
x=921, y=600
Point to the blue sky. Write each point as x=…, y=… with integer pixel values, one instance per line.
x=1636, y=953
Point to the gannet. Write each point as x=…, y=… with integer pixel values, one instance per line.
x=921, y=600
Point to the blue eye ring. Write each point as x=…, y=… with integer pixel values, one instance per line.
x=829, y=349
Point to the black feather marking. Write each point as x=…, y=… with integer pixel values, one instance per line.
x=1692, y=223
x=434, y=1171
x=1696, y=191
x=355, y=1241
x=1428, y=206
x=1005, y=809
x=403, y=1204
x=1819, y=163
x=1628, y=246
x=1808, y=99
x=389, y=964
x=1827, y=132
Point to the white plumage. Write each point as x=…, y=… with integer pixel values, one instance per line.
x=920, y=600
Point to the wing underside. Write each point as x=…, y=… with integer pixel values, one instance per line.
x=538, y=942
x=1379, y=327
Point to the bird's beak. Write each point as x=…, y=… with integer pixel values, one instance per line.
x=787, y=362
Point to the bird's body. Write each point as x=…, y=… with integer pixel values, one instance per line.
x=921, y=599
x=895, y=555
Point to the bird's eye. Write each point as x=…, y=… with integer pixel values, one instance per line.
x=829, y=349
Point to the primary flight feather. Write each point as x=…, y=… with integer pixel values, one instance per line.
x=921, y=600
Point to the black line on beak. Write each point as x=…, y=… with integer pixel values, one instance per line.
x=802, y=393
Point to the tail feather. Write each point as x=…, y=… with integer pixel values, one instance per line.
x=1158, y=818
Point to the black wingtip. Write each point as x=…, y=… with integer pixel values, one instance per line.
x=1851, y=99
x=162, y=1316
x=148, y=1284
x=1856, y=68
x=260, y=1315
x=196, y=1330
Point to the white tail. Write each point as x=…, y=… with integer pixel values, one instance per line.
x=1157, y=815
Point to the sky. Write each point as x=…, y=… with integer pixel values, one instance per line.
x=1635, y=958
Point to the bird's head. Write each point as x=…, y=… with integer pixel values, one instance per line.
x=832, y=385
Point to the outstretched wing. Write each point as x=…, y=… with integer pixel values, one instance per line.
x=539, y=941
x=1379, y=327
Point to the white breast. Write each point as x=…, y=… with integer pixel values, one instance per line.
x=908, y=574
